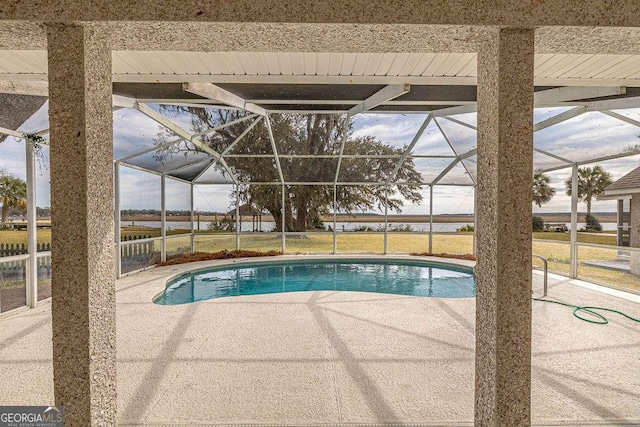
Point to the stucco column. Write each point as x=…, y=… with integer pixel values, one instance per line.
x=634, y=233
x=82, y=258
x=503, y=271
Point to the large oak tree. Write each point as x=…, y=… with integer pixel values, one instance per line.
x=306, y=137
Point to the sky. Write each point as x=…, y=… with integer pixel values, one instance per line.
x=583, y=138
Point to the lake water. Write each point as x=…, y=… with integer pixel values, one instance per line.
x=443, y=227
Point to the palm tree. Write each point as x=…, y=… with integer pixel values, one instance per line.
x=13, y=194
x=591, y=182
x=542, y=191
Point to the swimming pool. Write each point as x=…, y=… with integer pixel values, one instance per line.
x=418, y=278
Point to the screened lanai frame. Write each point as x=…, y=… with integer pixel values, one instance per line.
x=461, y=116
x=466, y=158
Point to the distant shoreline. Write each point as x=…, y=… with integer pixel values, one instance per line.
x=548, y=218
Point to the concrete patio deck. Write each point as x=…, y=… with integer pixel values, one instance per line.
x=332, y=358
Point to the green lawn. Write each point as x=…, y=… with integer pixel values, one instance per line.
x=44, y=234
x=554, y=247
x=317, y=242
x=602, y=239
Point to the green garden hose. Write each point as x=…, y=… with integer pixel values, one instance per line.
x=599, y=318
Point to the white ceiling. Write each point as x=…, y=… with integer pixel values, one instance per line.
x=290, y=67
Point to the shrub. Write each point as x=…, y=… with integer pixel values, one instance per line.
x=225, y=224
x=317, y=223
x=224, y=254
x=401, y=227
x=592, y=223
x=396, y=227
x=467, y=227
x=538, y=223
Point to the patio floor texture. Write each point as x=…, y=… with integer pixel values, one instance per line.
x=331, y=358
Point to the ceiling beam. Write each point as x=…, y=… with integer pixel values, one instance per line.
x=572, y=93
x=385, y=94
x=350, y=102
x=33, y=88
x=123, y=101
x=197, y=105
x=550, y=97
x=349, y=183
x=316, y=79
x=615, y=104
x=346, y=79
x=462, y=109
x=211, y=91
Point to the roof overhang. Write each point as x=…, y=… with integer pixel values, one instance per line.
x=625, y=194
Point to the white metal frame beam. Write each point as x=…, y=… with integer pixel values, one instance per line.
x=559, y=96
x=13, y=133
x=343, y=141
x=444, y=172
x=32, y=226
x=571, y=93
x=596, y=160
x=275, y=154
x=123, y=101
x=615, y=104
x=559, y=118
x=554, y=156
x=410, y=147
x=149, y=150
x=385, y=94
x=352, y=102
x=207, y=131
x=446, y=138
x=230, y=147
x=188, y=165
x=621, y=117
x=346, y=183
x=146, y=110
x=211, y=91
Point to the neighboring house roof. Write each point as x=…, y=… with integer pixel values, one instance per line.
x=16, y=109
x=625, y=186
x=245, y=210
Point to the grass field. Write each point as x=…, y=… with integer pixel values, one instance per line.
x=552, y=246
x=44, y=234
x=365, y=240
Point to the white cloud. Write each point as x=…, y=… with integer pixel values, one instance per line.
x=396, y=130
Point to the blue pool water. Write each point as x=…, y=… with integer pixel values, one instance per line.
x=389, y=277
